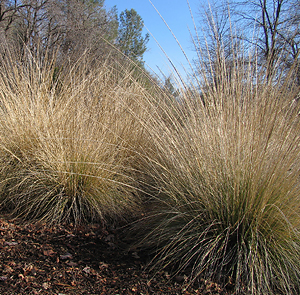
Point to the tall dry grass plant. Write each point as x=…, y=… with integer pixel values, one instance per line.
x=226, y=173
x=68, y=140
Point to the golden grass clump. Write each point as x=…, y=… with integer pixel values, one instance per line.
x=226, y=173
x=68, y=141
x=215, y=169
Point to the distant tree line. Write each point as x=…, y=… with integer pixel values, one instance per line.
x=71, y=27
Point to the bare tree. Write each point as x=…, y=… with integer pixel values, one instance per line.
x=216, y=42
x=9, y=12
x=31, y=24
x=270, y=27
x=73, y=26
x=276, y=27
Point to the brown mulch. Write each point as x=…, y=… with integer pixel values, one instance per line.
x=36, y=259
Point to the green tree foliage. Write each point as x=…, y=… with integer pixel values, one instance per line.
x=169, y=87
x=130, y=39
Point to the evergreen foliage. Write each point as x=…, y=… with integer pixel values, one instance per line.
x=130, y=40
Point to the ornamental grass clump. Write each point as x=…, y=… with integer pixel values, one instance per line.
x=67, y=140
x=226, y=172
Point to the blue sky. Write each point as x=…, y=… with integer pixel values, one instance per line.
x=176, y=14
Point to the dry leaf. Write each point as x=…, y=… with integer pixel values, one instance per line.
x=48, y=252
